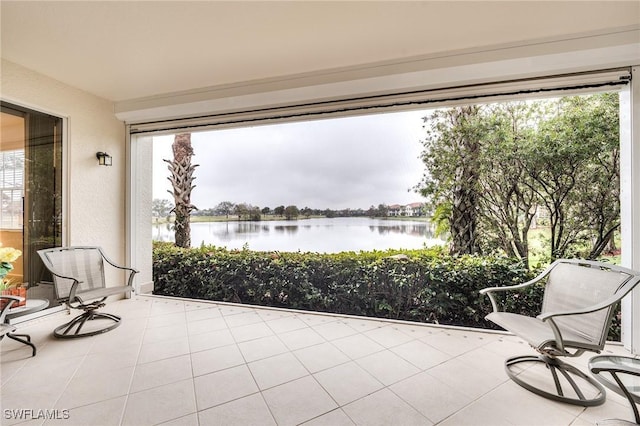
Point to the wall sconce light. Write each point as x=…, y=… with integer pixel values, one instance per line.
x=104, y=159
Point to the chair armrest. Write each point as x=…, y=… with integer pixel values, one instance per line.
x=74, y=286
x=12, y=300
x=114, y=264
x=508, y=287
x=72, y=291
x=490, y=290
x=126, y=268
x=15, y=298
x=132, y=271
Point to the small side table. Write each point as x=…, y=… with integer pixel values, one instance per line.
x=31, y=306
x=625, y=372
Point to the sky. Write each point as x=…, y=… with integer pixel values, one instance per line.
x=352, y=162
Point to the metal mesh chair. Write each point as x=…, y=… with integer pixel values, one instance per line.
x=79, y=281
x=577, y=309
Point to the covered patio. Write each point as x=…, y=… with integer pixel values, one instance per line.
x=114, y=74
x=192, y=362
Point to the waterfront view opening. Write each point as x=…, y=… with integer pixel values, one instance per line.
x=532, y=179
x=342, y=184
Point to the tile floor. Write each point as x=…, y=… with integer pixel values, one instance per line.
x=185, y=362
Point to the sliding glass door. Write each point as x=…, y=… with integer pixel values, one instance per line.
x=31, y=185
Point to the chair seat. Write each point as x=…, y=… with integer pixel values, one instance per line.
x=538, y=333
x=99, y=293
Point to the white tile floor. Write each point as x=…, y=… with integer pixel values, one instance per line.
x=198, y=363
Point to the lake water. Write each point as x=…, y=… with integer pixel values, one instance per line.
x=321, y=235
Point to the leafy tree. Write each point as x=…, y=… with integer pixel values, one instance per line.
x=246, y=211
x=599, y=195
x=279, y=210
x=383, y=210
x=576, y=172
x=241, y=210
x=266, y=210
x=225, y=208
x=507, y=202
x=204, y=212
x=554, y=165
x=161, y=207
x=254, y=214
x=181, y=179
x=491, y=168
x=291, y=212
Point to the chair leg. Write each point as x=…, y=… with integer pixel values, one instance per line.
x=558, y=370
x=18, y=338
x=73, y=329
x=628, y=395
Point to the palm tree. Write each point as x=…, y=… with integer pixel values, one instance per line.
x=182, y=181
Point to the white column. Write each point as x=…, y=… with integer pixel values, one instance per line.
x=139, y=198
x=630, y=204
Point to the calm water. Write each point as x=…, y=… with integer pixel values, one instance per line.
x=315, y=235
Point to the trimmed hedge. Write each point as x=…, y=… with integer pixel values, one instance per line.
x=421, y=285
x=414, y=285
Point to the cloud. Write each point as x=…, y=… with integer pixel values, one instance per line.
x=350, y=162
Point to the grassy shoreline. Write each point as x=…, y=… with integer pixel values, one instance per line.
x=196, y=219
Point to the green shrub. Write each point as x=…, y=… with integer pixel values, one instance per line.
x=419, y=285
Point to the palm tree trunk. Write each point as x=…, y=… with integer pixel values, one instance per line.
x=181, y=179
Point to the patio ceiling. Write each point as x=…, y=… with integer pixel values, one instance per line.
x=127, y=50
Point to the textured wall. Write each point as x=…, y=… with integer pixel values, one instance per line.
x=95, y=204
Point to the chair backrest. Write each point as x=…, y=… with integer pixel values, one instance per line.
x=574, y=285
x=84, y=264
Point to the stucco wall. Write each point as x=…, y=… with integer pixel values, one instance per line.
x=95, y=195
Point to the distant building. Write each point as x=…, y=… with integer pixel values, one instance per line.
x=409, y=210
x=414, y=209
x=395, y=210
